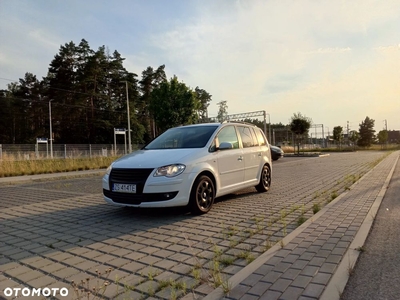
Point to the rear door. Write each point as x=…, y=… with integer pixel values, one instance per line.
x=251, y=154
x=264, y=146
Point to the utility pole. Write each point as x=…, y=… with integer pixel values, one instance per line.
x=129, y=117
x=387, y=133
x=51, y=131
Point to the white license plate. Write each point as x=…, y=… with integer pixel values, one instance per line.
x=124, y=188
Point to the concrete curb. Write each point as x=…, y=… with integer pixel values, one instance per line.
x=306, y=155
x=338, y=282
x=236, y=279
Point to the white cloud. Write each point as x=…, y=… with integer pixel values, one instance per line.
x=387, y=49
x=44, y=39
x=331, y=60
x=329, y=50
x=285, y=56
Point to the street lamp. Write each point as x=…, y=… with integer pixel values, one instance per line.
x=51, y=131
x=269, y=130
x=327, y=139
x=129, y=118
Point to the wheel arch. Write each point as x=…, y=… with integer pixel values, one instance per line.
x=208, y=174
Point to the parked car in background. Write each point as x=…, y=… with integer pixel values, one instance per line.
x=276, y=152
x=191, y=165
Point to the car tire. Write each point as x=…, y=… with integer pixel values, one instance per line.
x=202, y=195
x=265, y=180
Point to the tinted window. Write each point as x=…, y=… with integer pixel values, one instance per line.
x=246, y=135
x=183, y=137
x=260, y=137
x=228, y=135
x=253, y=135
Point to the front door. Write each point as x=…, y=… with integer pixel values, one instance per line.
x=230, y=161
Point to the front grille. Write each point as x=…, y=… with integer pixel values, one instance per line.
x=127, y=198
x=138, y=177
x=134, y=176
x=129, y=175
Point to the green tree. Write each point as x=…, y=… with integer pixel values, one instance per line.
x=8, y=120
x=222, y=111
x=300, y=125
x=257, y=122
x=383, y=137
x=366, y=132
x=61, y=84
x=26, y=113
x=354, y=136
x=151, y=79
x=204, y=100
x=173, y=104
x=87, y=92
x=338, y=135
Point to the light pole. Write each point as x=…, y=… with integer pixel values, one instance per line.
x=129, y=118
x=327, y=138
x=51, y=131
x=269, y=125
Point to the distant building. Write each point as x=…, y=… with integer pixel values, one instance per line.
x=393, y=136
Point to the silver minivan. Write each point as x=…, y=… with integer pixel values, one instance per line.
x=191, y=166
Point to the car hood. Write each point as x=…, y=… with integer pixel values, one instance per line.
x=153, y=158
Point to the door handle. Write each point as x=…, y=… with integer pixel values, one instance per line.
x=240, y=158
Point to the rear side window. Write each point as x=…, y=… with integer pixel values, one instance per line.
x=247, y=136
x=253, y=134
x=260, y=137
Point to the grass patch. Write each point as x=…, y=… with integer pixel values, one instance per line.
x=301, y=220
x=316, y=208
x=361, y=249
x=333, y=196
x=47, y=166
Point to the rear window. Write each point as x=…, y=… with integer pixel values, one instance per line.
x=183, y=137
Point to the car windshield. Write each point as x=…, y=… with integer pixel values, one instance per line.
x=183, y=137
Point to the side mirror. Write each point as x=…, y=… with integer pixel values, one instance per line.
x=225, y=146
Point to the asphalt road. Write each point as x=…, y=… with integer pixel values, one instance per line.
x=377, y=272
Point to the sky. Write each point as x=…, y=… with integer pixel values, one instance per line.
x=335, y=62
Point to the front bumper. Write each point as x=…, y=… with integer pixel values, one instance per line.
x=156, y=192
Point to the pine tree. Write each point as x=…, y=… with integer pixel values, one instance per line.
x=366, y=132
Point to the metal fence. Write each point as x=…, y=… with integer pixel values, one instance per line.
x=43, y=151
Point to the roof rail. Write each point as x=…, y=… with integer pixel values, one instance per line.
x=239, y=122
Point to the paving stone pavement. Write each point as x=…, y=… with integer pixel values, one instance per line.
x=303, y=268
x=53, y=232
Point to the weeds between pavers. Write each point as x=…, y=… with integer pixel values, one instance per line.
x=84, y=289
x=316, y=208
x=273, y=227
x=212, y=272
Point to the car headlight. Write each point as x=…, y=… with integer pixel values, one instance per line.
x=108, y=171
x=170, y=171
